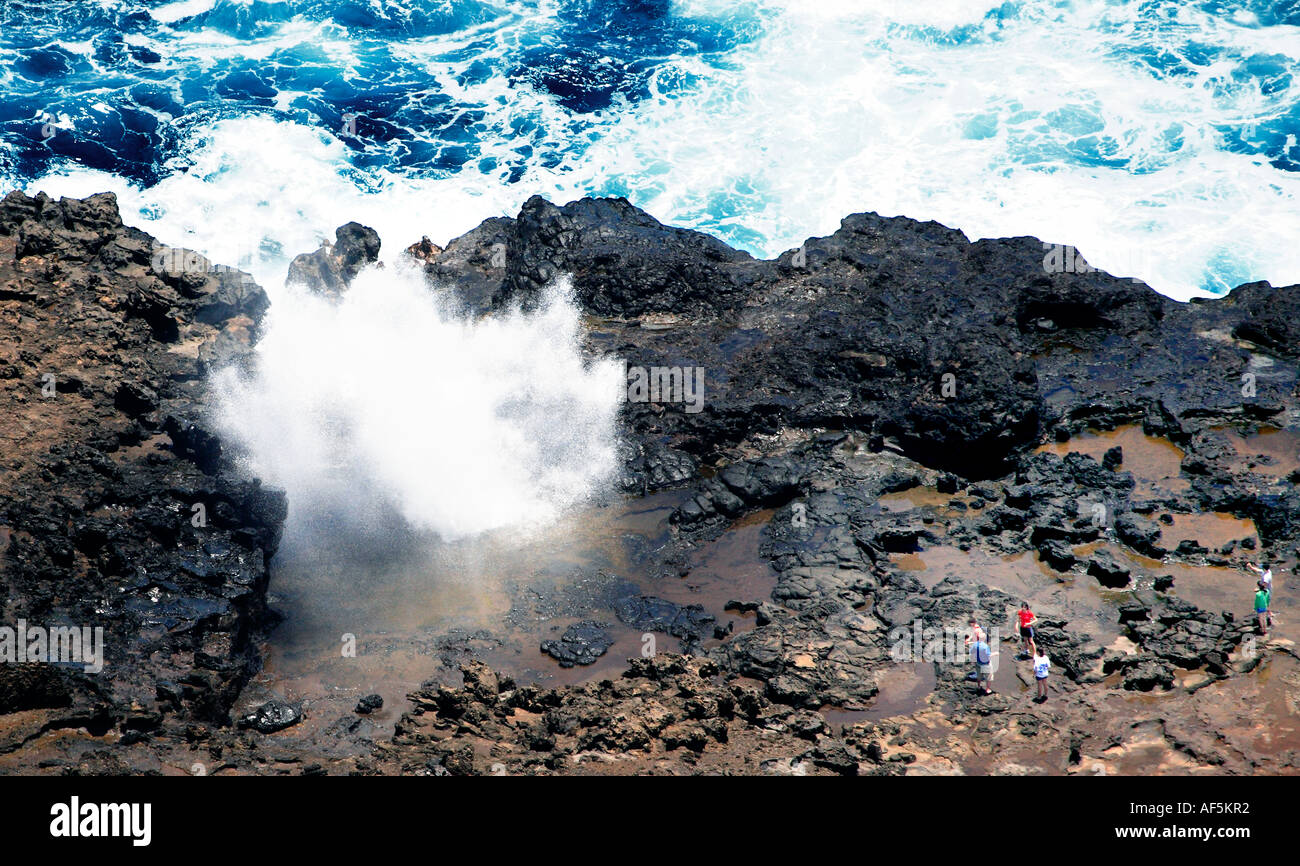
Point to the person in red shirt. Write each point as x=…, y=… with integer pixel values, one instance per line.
x=1028, y=648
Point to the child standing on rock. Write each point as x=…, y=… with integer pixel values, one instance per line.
x=1041, y=666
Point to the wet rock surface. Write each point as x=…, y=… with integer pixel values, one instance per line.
x=928, y=430
x=648, y=613
x=330, y=270
x=581, y=644
x=272, y=716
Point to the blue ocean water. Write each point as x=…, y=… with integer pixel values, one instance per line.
x=1162, y=137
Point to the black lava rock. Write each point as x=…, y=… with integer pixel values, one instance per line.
x=581, y=644
x=272, y=716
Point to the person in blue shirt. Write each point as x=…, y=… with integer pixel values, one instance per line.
x=982, y=655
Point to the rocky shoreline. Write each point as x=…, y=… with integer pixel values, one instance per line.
x=926, y=428
x=117, y=507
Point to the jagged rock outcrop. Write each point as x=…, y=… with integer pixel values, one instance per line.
x=117, y=508
x=962, y=354
x=673, y=713
x=330, y=270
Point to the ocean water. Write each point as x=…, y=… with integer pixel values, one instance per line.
x=1158, y=136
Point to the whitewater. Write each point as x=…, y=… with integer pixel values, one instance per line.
x=1159, y=138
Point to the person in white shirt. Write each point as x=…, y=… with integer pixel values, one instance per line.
x=1041, y=665
x=1266, y=583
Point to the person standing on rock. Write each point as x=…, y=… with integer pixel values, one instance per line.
x=1028, y=649
x=1041, y=666
x=1266, y=582
x=982, y=655
x=973, y=636
x=1262, y=599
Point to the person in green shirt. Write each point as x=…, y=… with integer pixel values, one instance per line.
x=1261, y=607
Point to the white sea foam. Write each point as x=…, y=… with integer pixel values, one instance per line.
x=842, y=107
x=836, y=107
x=172, y=12
x=258, y=191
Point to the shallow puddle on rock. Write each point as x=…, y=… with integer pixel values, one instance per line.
x=1279, y=449
x=729, y=568
x=498, y=596
x=1212, y=530
x=1147, y=754
x=905, y=690
x=910, y=562
x=1213, y=588
x=921, y=498
x=1185, y=679
x=726, y=569
x=914, y=497
x=1024, y=578
x=1209, y=587
x=1155, y=462
x=1275, y=697
x=1257, y=712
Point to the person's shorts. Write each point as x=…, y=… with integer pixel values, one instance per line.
x=1027, y=631
x=1040, y=679
x=986, y=671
